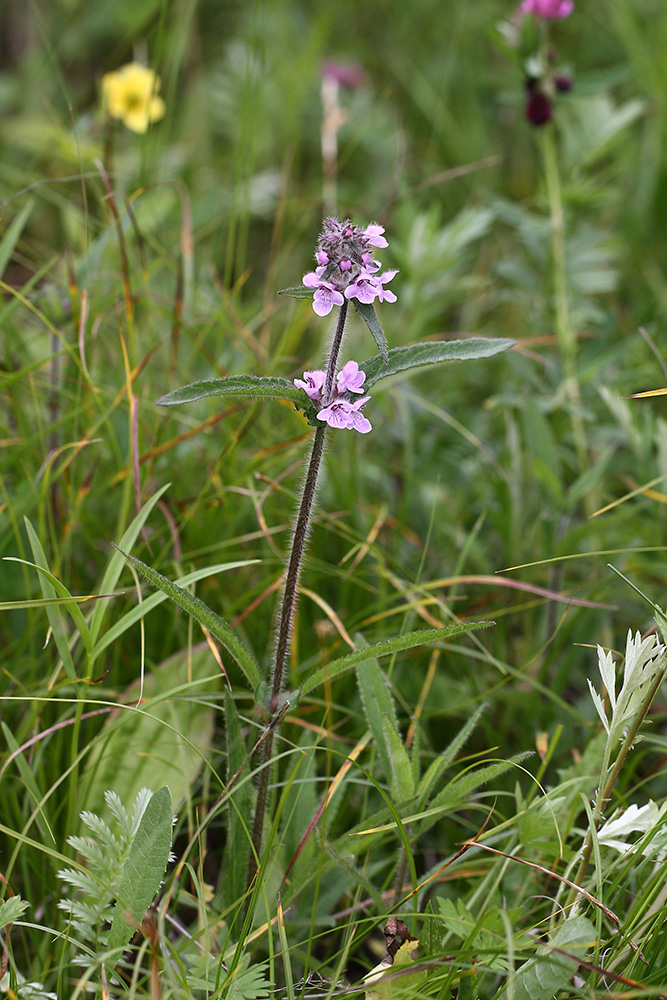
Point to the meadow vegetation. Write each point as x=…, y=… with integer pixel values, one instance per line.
x=466, y=743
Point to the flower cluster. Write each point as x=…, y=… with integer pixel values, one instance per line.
x=544, y=80
x=346, y=266
x=338, y=411
x=130, y=94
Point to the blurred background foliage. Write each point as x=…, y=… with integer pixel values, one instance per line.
x=134, y=264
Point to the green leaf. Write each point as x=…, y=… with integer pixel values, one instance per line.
x=299, y=292
x=67, y=600
x=543, y=976
x=12, y=234
x=11, y=909
x=378, y=705
x=140, y=610
x=143, y=871
x=462, y=787
x=430, y=938
x=254, y=386
x=443, y=760
x=431, y=353
x=367, y=313
x=216, y=625
x=27, y=775
x=116, y=563
x=381, y=719
x=239, y=809
x=160, y=734
x=54, y=613
x=402, y=781
x=396, y=645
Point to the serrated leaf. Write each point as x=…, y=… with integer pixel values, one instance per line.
x=216, y=625
x=143, y=871
x=252, y=386
x=402, y=782
x=385, y=648
x=431, y=353
x=599, y=705
x=443, y=760
x=11, y=909
x=367, y=313
x=378, y=706
x=543, y=976
x=299, y=292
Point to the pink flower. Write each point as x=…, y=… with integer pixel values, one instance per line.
x=345, y=415
x=350, y=378
x=312, y=383
x=548, y=9
x=326, y=296
x=363, y=288
x=385, y=294
x=374, y=237
x=346, y=266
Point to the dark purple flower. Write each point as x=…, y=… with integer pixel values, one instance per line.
x=538, y=108
x=563, y=82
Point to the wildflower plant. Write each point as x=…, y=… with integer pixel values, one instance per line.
x=644, y=670
x=332, y=398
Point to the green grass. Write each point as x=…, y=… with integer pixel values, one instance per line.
x=132, y=265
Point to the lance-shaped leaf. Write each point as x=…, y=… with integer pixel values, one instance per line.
x=432, y=353
x=386, y=648
x=144, y=869
x=252, y=386
x=367, y=313
x=216, y=625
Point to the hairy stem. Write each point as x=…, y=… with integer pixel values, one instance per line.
x=290, y=591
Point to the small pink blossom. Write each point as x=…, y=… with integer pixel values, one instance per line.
x=373, y=234
x=312, y=383
x=350, y=378
x=322, y=258
x=385, y=294
x=346, y=416
x=326, y=296
x=363, y=288
x=358, y=422
x=550, y=10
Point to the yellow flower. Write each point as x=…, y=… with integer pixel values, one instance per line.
x=130, y=94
